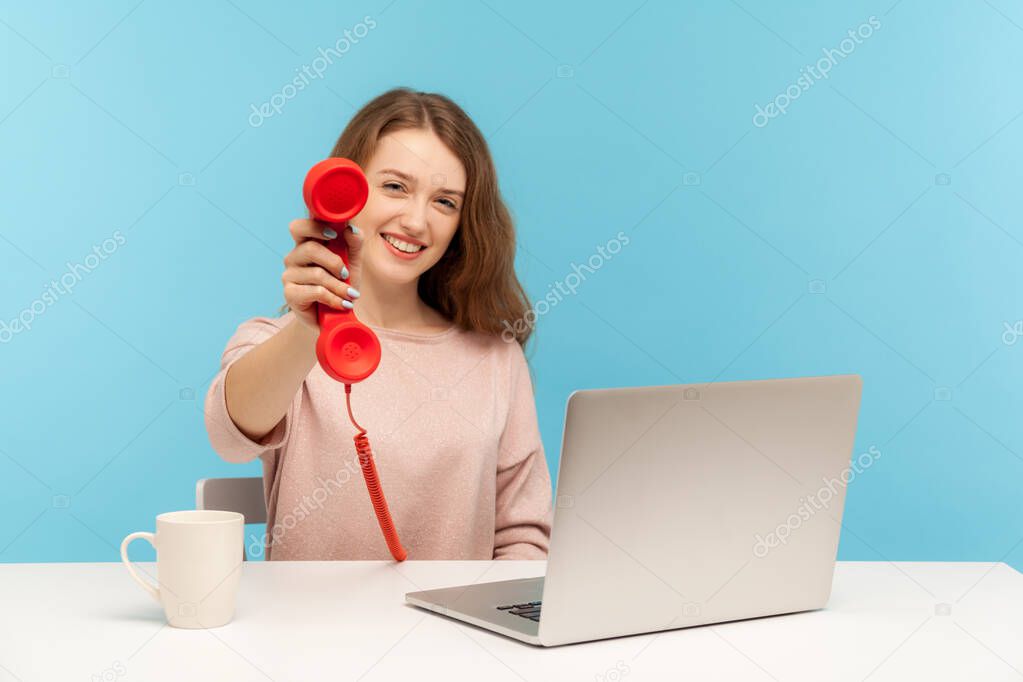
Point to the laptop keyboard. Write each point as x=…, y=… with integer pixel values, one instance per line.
x=530, y=610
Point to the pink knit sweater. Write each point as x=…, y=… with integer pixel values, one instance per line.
x=452, y=425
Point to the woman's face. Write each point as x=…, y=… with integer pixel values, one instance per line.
x=416, y=191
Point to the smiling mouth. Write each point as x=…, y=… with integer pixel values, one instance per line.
x=402, y=246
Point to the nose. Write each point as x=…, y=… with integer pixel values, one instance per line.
x=413, y=218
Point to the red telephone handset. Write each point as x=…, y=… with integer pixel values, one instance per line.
x=335, y=190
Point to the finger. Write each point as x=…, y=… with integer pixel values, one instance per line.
x=315, y=275
x=303, y=296
x=353, y=237
x=312, y=252
x=306, y=228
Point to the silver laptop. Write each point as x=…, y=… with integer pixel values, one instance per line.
x=683, y=505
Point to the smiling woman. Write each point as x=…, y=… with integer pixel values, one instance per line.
x=432, y=184
x=431, y=271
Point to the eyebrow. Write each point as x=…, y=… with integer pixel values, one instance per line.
x=408, y=178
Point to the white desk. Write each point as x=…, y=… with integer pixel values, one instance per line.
x=345, y=621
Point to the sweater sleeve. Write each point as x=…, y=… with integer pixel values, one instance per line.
x=226, y=438
x=524, y=514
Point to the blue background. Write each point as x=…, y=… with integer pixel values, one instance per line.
x=874, y=228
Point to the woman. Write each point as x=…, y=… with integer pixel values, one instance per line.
x=449, y=412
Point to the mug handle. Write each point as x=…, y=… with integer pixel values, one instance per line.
x=146, y=585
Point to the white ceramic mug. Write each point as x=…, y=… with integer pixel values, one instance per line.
x=199, y=556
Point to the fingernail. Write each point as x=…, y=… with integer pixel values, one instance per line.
x=355, y=230
x=347, y=304
x=344, y=272
x=329, y=233
x=354, y=293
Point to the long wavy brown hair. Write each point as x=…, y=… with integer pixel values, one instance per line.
x=474, y=283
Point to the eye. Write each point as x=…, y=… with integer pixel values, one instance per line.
x=389, y=185
x=448, y=203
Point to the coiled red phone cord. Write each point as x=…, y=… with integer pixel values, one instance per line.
x=369, y=472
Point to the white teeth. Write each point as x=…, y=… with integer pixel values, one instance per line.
x=403, y=246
